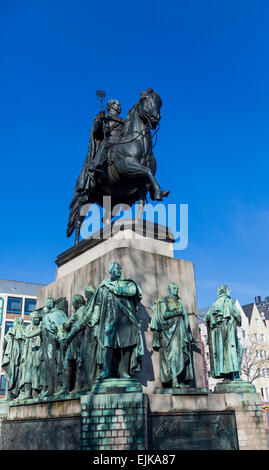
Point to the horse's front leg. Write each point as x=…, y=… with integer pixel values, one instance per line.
x=130, y=166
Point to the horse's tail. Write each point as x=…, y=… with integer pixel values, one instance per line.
x=74, y=208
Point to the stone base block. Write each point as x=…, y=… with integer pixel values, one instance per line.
x=234, y=386
x=114, y=421
x=51, y=425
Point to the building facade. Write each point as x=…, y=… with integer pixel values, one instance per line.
x=258, y=353
x=16, y=299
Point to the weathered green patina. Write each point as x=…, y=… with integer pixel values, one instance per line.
x=56, y=356
x=173, y=338
x=115, y=305
x=53, y=352
x=73, y=358
x=89, y=342
x=12, y=353
x=225, y=350
x=32, y=364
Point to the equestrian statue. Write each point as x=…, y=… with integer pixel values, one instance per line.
x=120, y=162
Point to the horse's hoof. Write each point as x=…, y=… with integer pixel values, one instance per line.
x=159, y=195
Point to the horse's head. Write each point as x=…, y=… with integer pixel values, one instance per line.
x=149, y=107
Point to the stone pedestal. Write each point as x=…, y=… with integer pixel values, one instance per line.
x=235, y=386
x=145, y=253
x=114, y=416
x=118, y=416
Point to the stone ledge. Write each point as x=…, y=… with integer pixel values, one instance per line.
x=44, y=410
x=182, y=391
x=142, y=228
x=235, y=386
x=118, y=386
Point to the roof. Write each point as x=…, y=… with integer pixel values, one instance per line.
x=19, y=287
x=248, y=309
x=264, y=308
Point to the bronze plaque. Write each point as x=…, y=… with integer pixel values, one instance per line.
x=192, y=431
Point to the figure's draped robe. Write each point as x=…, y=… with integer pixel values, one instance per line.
x=32, y=360
x=173, y=338
x=118, y=326
x=13, y=347
x=225, y=349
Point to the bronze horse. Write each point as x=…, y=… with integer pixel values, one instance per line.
x=130, y=169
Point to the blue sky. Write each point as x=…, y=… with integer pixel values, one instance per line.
x=209, y=62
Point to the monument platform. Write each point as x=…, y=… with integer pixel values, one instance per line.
x=114, y=418
x=138, y=413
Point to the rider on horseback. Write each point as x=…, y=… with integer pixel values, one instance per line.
x=120, y=162
x=105, y=131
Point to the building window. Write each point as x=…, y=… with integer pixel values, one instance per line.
x=256, y=337
x=265, y=393
x=256, y=321
x=3, y=385
x=14, y=305
x=30, y=305
x=8, y=325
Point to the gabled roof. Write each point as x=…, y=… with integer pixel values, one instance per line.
x=248, y=309
x=19, y=287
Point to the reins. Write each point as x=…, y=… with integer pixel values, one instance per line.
x=132, y=140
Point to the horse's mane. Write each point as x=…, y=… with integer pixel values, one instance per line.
x=126, y=126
